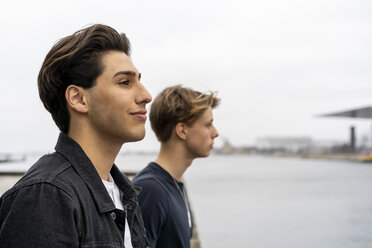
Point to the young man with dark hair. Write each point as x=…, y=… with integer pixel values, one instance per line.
x=182, y=120
x=76, y=196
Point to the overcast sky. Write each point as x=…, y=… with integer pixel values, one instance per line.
x=276, y=65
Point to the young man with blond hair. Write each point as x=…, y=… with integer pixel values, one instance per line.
x=76, y=196
x=182, y=120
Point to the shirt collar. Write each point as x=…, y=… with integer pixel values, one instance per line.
x=73, y=152
x=167, y=175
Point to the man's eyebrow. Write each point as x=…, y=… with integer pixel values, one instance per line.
x=130, y=73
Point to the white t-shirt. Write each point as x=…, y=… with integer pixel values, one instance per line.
x=114, y=193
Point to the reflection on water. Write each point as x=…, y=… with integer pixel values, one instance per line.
x=242, y=201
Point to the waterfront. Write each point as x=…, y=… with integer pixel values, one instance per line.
x=243, y=201
x=262, y=202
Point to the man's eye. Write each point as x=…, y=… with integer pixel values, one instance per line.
x=126, y=82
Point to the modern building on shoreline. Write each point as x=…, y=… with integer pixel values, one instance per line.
x=284, y=144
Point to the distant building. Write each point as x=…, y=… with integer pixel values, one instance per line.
x=364, y=112
x=284, y=144
x=227, y=149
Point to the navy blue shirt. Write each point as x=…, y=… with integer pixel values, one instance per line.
x=163, y=208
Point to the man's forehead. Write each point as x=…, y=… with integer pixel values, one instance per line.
x=207, y=115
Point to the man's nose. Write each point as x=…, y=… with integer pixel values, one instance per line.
x=214, y=132
x=144, y=96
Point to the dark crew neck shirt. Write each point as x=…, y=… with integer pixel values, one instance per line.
x=163, y=208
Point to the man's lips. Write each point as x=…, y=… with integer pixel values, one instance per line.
x=140, y=114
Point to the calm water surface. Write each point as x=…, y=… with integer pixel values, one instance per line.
x=257, y=202
x=243, y=201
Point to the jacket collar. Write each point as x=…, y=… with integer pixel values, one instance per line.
x=73, y=152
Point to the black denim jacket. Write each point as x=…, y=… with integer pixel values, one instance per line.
x=62, y=202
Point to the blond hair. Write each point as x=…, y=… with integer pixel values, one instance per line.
x=178, y=104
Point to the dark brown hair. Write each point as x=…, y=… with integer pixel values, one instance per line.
x=75, y=59
x=178, y=104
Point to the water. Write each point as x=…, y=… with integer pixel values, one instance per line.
x=243, y=201
x=260, y=202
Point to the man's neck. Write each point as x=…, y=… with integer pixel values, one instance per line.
x=101, y=153
x=174, y=160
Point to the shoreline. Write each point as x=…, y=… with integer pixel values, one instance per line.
x=342, y=157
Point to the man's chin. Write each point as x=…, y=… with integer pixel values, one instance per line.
x=204, y=155
x=136, y=137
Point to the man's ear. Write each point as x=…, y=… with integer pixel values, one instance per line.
x=181, y=130
x=76, y=98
